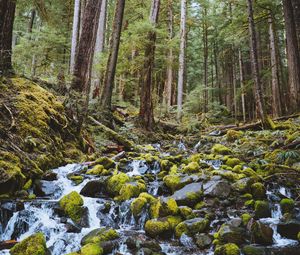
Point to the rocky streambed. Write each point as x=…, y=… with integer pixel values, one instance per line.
x=205, y=200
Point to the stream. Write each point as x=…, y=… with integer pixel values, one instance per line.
x=22, y=219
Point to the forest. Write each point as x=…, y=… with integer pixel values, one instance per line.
x=149, y=127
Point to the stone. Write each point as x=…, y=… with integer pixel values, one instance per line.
x=100, y=235
x=220, y=189
x=262, y=209
x=191, y=227
x=227, y=249
x=231, y=234
x=203, y=241
x=94, y=188
x=289, y=229
x=189, y=195
x=261, y=234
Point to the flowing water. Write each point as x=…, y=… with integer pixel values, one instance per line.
x=40, y=215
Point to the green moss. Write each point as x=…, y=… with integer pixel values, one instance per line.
x=233, y=162
x=228, y=249
x=172, y=206
x=155, y=209
x=298, y=236
x=172, y=182
x=100, y=235
x=27, y=185
x=287, y=205
x=200, y=205
x=258, y=190
x=32, y=196
x=191, y=227
x=155, y=228
x=174, y=221
x=246, y=217
x=106, y=162
x=91, y=249
x=33, y=245
x=148, y=197
x=72, y=206
x=186, y=212
x=252, y=250
x=220, y=149
x=262, y=209
x=250, y=203
x=233, y=135
x=137, y=205
x=96, y=170
x=77, y=179
x=116, y=182
x=165, y=165
x=128, y=191
x=237, y=168
x=192, y=167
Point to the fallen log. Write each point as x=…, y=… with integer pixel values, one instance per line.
x=128, y=145
x=6, y=245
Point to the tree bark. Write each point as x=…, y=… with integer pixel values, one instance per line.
x=75, y=34
x=106, y=95
x=146, y=104
x=169, y=81
x=80, y=86
x=260, y=107
x=205, y=60
x=276, y=100
x=292, y=55
x=181, y=59
x=99, y=48
x=296, y=8
x=7, y=16
x=242, y=85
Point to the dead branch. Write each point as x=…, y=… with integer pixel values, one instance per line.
x=13, y=122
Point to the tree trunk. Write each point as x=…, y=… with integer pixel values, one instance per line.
x=7, y=15
x=75, y=34
x=296, y=7
x=80, y=85
x=169, y=81
x=181, y=59
x=106, y=95
x=242, y=85
x=31, y=21
x=99, y=48
x=146, y=104
x=205, y=60
x=260, y=108
x=276, y=101
x=292, y=55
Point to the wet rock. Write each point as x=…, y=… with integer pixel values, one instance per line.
x=260, y=250
x=191, y=227
x=189, y=195
x=262, y=209
x=109, y=246
x=231, y=234
x=227, y=249
x=158, y=228
x=217, y=188
x=7, y=209
x=261, y=234
x=45, y=188
x=33, y=245
x=91, y=249
x=49, y=176
x=289, y=229
x=187, y=241
x=21, y=194
x=287, y=205
x=258, y=191
x=6, y=245
x=71, y=228
x=242, y=185
x=93, y=189
x=203, y=241
x=100, y=235
x=253, y=250
x=72, y=205
x=115, y=183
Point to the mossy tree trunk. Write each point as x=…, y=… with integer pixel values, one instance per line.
x=7, y=16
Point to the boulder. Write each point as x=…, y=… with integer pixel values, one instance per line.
x=261, y=234
x=262, y=209
x=203, y=241
x=191, y=227
x=100, y=235
x=93, y=188
x=45, y=188
x=32, y=245
x=289, y=229
x=189, y=195
x=230, y=234
x=227, y=249
x=217, y=188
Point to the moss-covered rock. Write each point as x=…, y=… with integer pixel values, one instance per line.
x=72, y=206
x=192, y=226
x=96, y=170
x=100, y=235
x=192, y=167
x=33, y=245
x=77, y=179
x=261, y=234
x=258, y=191
x=91, y=249
x=231, y=234
x=168, y=207
x=106, y=162
x=233, y=135
x=115, y=183
x=287, y=205
x=227, y=249
x=172, y=182
x=233, y=162
x=262, y=209
x=246, y=217
x=253, y=250
x=137, y=205
x=220, y=149
x=130, y=190
x=161, y=228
